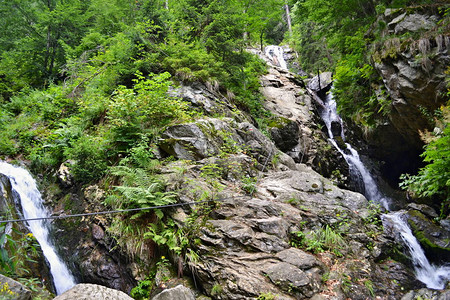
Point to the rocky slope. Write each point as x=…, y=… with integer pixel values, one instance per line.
x=277, y=227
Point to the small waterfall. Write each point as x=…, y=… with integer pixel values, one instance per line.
x=335, y=129
x=435, y=277
x=31, y=202
x=275, y=54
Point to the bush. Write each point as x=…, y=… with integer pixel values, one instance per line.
x=89, y=158
x=434, y=178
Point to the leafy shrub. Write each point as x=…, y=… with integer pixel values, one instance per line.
x=434, y=178
x=137, y=110
x=89, y=158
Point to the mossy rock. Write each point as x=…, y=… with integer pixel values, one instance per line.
x=434, y=239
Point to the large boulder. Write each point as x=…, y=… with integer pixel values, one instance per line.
x=85, y=291
x=177, y=293
x=11, y=289
x=321, y=82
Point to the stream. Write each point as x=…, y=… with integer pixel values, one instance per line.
x=434, y=277
x=31, y=202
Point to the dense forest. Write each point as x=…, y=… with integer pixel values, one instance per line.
x=90, y=84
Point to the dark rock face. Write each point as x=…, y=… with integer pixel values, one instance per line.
x=86, y=246
x=413, y=73
x=286, y=137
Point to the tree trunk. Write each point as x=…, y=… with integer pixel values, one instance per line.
x=166, y=5
x=261, y=39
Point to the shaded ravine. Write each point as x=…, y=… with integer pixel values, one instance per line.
x=30, y=201
x=434, y=277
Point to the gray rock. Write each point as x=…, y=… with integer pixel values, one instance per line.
x=14, y=289
x=291, y=279
x=326, y=78
x=286, y=136
x=179, y=292
x=423, y=208
x=87, y=291
x=413, y=23
x=298, y=258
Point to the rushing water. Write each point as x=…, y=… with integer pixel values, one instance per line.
x=31, y=202
x=275, y=53
x=434, y=277
x=358, y=169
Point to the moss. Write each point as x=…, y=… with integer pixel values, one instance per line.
x=278, y=122
x=424, y=238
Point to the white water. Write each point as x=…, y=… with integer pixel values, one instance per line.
x=275, y=53
x=435, y=277
x=32, y=207
x=351, y=156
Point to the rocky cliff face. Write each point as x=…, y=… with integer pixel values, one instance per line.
x=412, y=60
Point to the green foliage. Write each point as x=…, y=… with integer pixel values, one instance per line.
x=167, y=234
x=266, y=296
x=433, y=180
x=88, y=155
x=216, y=290
x=138, y=189
x=16, y=251
x=319, y=240
x=143, y=289
x=249, y=184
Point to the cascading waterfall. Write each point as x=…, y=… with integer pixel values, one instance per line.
x=434, y=277
x=275, y=53
x=330, y=116
x=31, y=202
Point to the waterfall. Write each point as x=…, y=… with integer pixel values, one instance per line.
x=434, y=277
x=275, y=54
x=332, y=121
x=31, y=202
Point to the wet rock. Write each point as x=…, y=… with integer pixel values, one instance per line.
x=427, y=294
x=423, y=208
x=177, y=293
x=290, y=279
x=413, y=73
x=433, y=238
x=285, y=136
x=85, y=291
x=12, y=289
